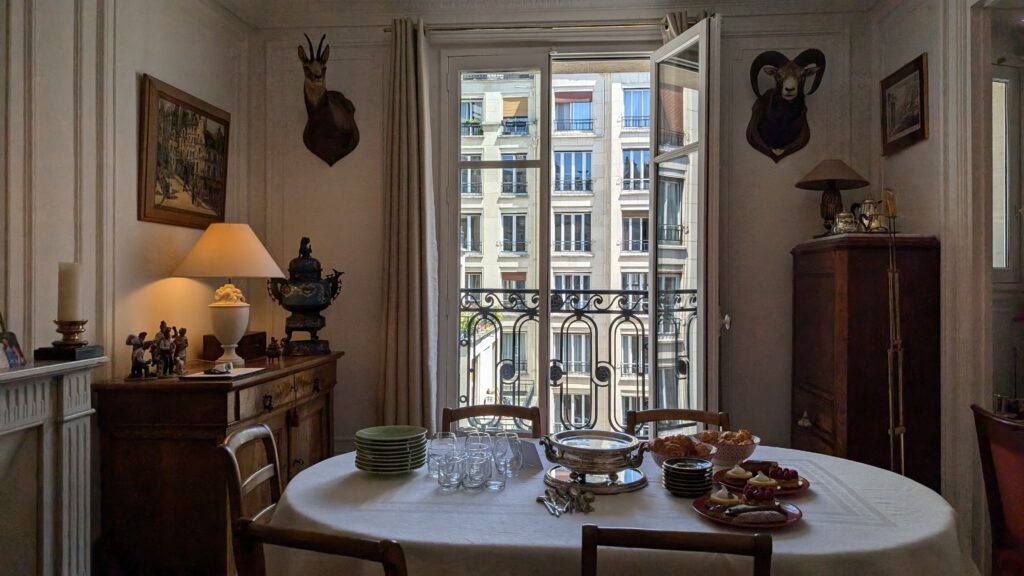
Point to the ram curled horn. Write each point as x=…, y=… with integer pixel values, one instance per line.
x=778, y=123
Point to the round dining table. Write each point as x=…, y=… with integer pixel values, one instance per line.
x=857, y=520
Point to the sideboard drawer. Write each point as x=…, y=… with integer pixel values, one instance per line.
x=820, y=411
x=265, y=398
x=315, y=381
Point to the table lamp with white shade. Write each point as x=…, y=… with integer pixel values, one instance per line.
x=229, y=251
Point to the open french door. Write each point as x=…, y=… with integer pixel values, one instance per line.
x=683, y=291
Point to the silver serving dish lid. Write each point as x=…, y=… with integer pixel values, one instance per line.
x=595, y=440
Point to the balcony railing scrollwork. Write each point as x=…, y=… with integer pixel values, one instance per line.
x=491, y=316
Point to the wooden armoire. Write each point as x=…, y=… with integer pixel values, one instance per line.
x=841, y=335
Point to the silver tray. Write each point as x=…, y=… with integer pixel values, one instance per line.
x=623, y=481
x=594, y=451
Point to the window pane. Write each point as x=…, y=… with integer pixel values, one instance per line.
x=679, y=99
x=499, y=113
x=498, y=327
x=1000, y=175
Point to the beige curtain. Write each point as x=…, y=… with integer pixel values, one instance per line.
x=408, y=374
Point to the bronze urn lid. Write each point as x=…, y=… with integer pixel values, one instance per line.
x=304, y=267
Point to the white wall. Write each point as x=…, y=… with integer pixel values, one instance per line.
x=340, y=208
x=203, y=51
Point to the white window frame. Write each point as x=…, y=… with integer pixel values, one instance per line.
x=631, y=236
x=629, y=171
x=561, y=184
x=1011, y=76
x=516, y=174
x=514, y=218
x=565, y=228
x=626, y=112
x=473, y=274
x=466, y=222
x=577, y=359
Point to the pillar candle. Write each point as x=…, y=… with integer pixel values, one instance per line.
x=67, y=292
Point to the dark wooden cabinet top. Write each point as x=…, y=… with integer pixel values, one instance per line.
x=874, y=240
x=274, y=370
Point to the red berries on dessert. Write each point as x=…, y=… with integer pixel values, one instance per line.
x=758, y=494
x=786, y=477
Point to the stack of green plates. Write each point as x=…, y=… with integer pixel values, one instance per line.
x=391, y=449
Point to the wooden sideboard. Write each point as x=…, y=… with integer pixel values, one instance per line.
x=45, y=479
x=164, y=502
x=840, y=349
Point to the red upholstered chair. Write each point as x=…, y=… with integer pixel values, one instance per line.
x=1001, y=444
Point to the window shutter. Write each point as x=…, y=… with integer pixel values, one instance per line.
x=515, y=107
x=579, y=96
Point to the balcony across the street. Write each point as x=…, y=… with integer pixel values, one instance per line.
x=513, y=188
x=572, y=245
x=577, y=185
x=471, y=129
x=515, y=126
x=636, y=184
x=573, y=125
x=636, y=121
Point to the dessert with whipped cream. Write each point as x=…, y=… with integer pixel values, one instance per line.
x=739, y=473
x=762, y=481
x=724, y=498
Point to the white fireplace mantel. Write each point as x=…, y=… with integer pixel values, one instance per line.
x=44, y=468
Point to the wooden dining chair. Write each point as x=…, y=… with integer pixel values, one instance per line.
x=251, y=531
x=452, y=415
x=1001, y=447
x=759, y=546
x=638, y=417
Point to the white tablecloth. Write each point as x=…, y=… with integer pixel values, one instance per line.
x=858, y=520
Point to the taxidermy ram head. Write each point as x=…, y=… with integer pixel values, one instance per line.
x=778, y=122
x=331, y=131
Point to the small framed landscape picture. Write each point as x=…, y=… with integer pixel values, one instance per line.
x=183, y=157
x=905, y=106
x=10, y=351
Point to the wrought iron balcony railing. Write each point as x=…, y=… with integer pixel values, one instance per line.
x=636, y=121
x=470, y=188
x=575, y=185
x=634, y=245
x=515, y=126
x=572, y=125
x=670, y=234
x=572, y=245
x=596, y=318
x=513, y=188
x=470, y=245
x=636, y=183
x=471, y=129
x=516, y=247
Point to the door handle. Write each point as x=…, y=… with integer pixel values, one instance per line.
x=727, y=322
x=804, y=421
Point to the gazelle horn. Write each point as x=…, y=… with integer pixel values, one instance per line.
x=310, y=46
x=320, y=46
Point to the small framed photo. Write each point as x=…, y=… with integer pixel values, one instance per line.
x=183, y=157
x=905, y=106
x=10, y=351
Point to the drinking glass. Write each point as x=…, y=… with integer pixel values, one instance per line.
x=436, y=451
x=515, y=447
x=451, y=471
x=478, y=441
x=477, y=470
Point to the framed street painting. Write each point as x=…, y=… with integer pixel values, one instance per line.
x=905, y=106
x=10, y=351
x=183, y=157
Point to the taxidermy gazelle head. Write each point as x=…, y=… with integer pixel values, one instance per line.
x=331, y=131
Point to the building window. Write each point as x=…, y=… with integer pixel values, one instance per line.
x=515, y=120
x=636, y=108
x=574, y=352
x=473, y=280
x=469, y=178
x=572, y=172
x=635, y=170
x=634, y=234
x=630, y=402
x=573, y=112
x=669, y=296
x=572, y=232
x=576, y=410
x=471, y=116
x=513, y=233
x=630, y=355
x=469, y=232
x=670, y=212
x=513, y=349
x=514, y=281
x=634, y=281
x=578, y=283
x=513, y=180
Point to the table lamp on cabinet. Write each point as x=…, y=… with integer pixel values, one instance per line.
x=831, y=177
x=229, y=251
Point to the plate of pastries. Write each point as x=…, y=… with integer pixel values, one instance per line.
x=678, y=446
x=785, y=481
x=732, y=447
x=754, y=507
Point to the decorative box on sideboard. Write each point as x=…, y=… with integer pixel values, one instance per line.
x=841, y=341
x=164, y=502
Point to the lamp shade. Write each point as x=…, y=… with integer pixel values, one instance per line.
x=832, y=174
x=229, y=251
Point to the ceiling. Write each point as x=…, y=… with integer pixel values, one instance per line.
x=328, y=13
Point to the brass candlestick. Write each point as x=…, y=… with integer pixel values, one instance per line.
x=72, y=331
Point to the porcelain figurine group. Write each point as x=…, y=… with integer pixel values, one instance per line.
x=162, y=357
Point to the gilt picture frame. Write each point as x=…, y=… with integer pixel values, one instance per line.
x=904, y=106
x=183, y=157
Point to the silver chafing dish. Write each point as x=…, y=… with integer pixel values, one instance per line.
x=601, y=461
